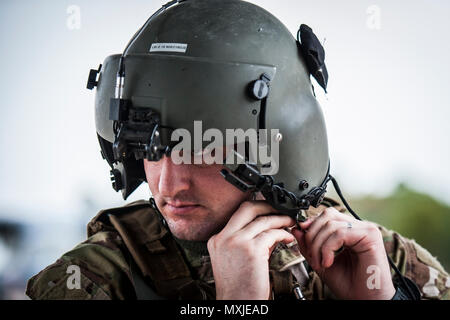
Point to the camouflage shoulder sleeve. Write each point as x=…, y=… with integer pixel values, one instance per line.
x=418, y=264
x=95, y=269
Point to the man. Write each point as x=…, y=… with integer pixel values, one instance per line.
x=234, y=227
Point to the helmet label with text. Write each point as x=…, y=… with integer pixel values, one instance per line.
x=168, y=47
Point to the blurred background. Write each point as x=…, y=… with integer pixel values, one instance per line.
x=386, y=110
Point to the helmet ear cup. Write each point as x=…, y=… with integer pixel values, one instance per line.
x=106, y=150
x=125, y=176
x=132, y=174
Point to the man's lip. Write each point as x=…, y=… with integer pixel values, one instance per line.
x=181, y=204
x=180, y=208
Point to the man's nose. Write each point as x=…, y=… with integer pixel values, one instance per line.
x=173, y=178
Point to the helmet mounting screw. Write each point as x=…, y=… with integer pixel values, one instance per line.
x=278, y=137
x=259, y=89
x=303, y=185
x=305, y=203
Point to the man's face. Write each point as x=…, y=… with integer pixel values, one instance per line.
x=195, y=200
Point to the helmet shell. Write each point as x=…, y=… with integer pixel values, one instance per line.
x=228, y=44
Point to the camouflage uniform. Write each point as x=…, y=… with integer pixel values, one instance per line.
x=130, y=243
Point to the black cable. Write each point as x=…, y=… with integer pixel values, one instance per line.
x=391, y=263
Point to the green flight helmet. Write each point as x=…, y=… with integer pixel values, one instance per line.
x=227, y=63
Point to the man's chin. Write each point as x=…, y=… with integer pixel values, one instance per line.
x=189, y=232
x=190, y=236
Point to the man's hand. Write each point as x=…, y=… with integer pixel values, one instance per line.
x=240, y=252
x=346, y=273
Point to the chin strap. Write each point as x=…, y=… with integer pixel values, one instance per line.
x=406, y=288
x=246, y=177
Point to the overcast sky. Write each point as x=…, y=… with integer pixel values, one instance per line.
x=386, y=111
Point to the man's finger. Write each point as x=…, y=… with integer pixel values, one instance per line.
x=267, y=239
x=343, y=237
x=246, y=213
x=317, y=223
x=266, y=222
x=328, y=228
